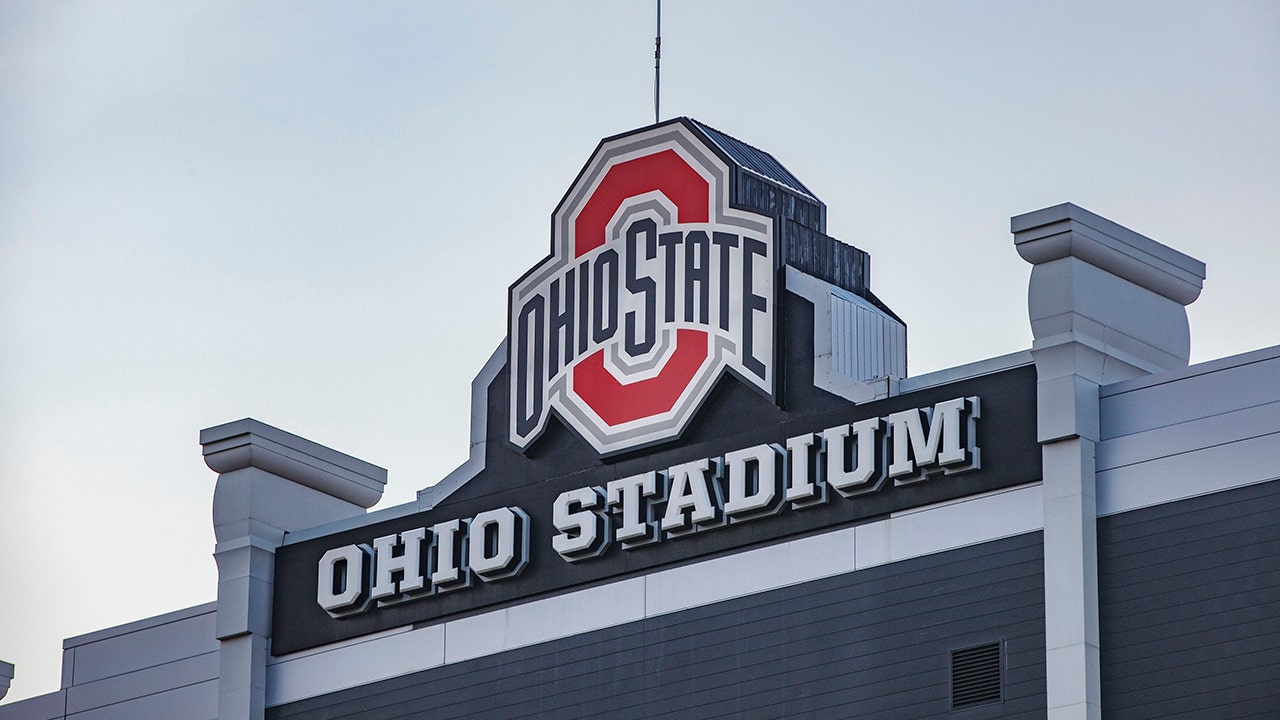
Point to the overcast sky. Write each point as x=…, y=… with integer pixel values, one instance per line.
x=309, y=213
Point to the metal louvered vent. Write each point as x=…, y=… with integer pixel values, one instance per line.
x=976, y=676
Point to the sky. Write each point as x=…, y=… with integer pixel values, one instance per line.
x=309, y=214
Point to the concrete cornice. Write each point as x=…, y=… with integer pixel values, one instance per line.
x=249, y=443
x=1068, y=230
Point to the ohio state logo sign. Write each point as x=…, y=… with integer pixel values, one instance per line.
x=655, y=287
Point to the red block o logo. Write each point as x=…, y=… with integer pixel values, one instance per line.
x=655, y=287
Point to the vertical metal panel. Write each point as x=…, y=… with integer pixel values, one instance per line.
x=865, y=342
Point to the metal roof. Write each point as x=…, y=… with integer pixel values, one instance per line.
x=754, y=159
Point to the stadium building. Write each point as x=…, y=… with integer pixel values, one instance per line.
x=702, y=483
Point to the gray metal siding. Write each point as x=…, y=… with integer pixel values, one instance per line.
x=865, y=343
x=872, y=643
x=1189, y=606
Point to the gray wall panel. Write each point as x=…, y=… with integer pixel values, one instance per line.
x=52, y=706
x=1189, y=606
x=140, y=683
x=125, y=652
x=1187, y=395
x=876, y=642
x=194, y=702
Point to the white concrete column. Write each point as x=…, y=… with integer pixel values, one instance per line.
x=270, y=483
x=1106, y=304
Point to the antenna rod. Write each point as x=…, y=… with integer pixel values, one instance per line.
x=657, y=63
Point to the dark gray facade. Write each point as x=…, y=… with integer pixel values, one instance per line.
x=1188, y=597
x=873, y=643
